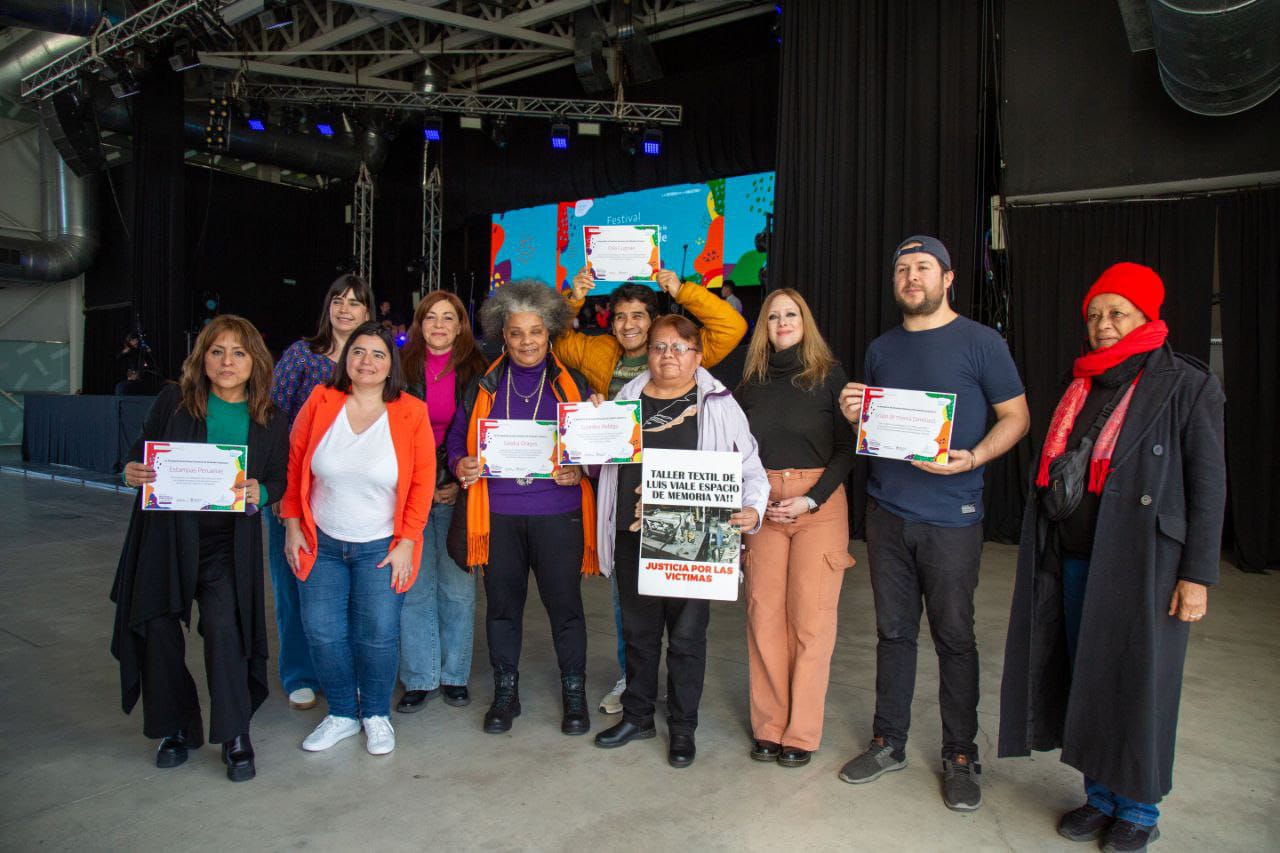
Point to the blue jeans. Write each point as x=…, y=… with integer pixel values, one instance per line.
x=352, y=619
x=1075, y=577
x=438, y=621
x=617, y=625
x=294, y=658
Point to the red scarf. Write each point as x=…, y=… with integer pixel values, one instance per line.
x=1145, y=338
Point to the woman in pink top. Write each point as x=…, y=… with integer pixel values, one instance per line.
x=439, y=359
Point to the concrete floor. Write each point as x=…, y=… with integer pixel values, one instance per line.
x=75, y=773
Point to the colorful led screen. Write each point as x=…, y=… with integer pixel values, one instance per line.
x=709, y=232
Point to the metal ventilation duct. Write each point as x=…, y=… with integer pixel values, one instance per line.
x=1217, y=57
x=27, y=54
x=76, y=17
x=70, y=238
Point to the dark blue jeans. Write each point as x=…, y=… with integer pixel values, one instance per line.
x=1075, y=577
x=294, y=657
x=352, y=619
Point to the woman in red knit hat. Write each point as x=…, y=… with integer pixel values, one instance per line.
x=1120, y=542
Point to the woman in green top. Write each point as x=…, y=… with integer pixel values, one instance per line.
x=215, y=558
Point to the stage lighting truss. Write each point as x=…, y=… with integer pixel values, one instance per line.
x=362, y=225
x=471, y=103
x=560, y=136
x=159, y=22
x=432, y=219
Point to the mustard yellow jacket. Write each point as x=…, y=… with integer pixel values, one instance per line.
x=596, y=356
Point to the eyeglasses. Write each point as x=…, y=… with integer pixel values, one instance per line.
x=675, y=349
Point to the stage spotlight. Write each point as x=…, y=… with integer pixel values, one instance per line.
x=560, y=136
x=429, y=80
x=652, y=143
x=432, y=126
x=122, y=76
x=498, y=132
x=345, y=125
x=275, y=14
x=630, y=140
x=257, y=124
x=588, y=128
x=184, y=56
x=323, y=122
x=471, y=122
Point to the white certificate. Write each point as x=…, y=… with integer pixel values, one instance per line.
x=195, y=477
x=622, y=252
x=513, y=448
x=608, y=434
x=910, y=425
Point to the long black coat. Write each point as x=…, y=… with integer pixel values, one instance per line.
x=160, y=559
x=1159, y=521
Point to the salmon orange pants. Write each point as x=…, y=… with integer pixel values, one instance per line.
x=794, y=573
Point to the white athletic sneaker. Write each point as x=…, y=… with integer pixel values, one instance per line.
x=302, y=699
x=612, y=702
x=330, y=731
x=380, y=738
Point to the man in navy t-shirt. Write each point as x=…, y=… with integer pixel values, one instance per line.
x=924, y=531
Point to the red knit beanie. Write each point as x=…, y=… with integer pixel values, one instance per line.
x=1140, y=285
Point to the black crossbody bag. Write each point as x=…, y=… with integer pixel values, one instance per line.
x=1069, y=473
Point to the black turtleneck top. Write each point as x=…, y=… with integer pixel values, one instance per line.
x=797, y=428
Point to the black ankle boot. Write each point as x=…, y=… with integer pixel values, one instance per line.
x=577, y=719
x=237, y=754
x=506, y=702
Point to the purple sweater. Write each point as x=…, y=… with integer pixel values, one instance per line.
x=507, y=496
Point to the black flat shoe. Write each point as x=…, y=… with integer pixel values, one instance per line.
x=415, y=700
x=623, y=733
x=172, y=751
x=456, y=696
x=682, y=751
x=793, y=756
x=237, y=754
x=766, y=750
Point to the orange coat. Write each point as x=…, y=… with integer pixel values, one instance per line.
x=415, y=448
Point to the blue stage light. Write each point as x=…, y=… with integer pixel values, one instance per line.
x=257, y=124
x=560, y=136
x=324, y=129
x=651, y=145
x=431, y=129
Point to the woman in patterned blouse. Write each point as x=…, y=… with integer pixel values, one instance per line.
x=306, y=364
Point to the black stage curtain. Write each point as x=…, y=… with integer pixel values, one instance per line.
x=1249, y=266
x=1055, y=254
x=159, y=293
x=878, y=139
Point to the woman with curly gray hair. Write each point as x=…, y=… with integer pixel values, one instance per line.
x=513, y=525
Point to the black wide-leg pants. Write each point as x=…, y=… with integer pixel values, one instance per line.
x=169, y=700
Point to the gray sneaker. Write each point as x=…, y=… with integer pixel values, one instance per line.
x=872, y=764
x=960, y=789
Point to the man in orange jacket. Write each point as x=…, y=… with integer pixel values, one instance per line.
x=610, y=361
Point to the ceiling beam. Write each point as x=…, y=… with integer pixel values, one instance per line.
x=352, y=29
x=500, y=27
x=547, y=11
x=230, y=63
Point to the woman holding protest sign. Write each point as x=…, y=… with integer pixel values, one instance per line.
x=682, y=408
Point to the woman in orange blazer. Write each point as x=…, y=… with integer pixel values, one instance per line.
x=362, y=468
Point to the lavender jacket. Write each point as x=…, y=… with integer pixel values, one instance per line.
x=722, y=425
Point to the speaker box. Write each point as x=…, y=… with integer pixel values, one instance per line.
x=68, y=120
x=588, y=53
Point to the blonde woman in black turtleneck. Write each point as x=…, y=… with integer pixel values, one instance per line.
x=795, y=565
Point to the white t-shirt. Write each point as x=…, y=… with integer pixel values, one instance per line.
x=353, y=494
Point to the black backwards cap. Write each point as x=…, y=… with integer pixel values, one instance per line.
x=922, y=243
